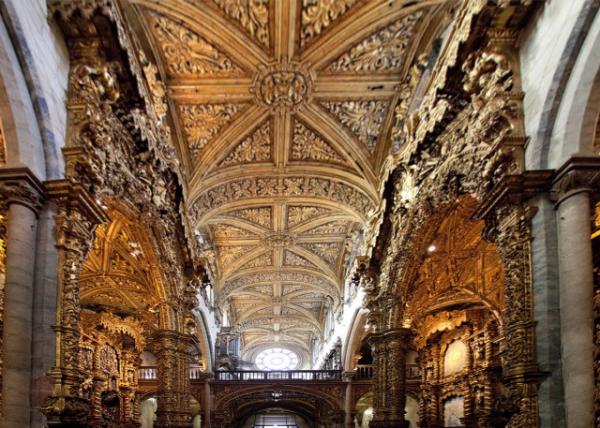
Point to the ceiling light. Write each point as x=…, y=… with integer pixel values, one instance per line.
x=431, y=248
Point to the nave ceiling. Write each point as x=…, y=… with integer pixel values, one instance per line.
x=283, y=112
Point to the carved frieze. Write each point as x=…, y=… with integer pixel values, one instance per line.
x=289, y=186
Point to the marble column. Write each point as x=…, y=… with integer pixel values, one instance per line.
x=22, y=195
x=572, y=186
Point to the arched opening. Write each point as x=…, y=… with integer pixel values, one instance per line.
x=148, y=408
x=454, y=310
x=276, y=417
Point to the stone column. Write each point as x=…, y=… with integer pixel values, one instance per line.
x=348, y=400
x=75, y=222
x=572, y=185
x=21, y=194
x=172, y=352
x=206, y=403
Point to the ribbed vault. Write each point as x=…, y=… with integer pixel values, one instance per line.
x=283, y=111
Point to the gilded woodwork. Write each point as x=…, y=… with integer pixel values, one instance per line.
x=282, y=113
x=117, y=148
x=454, y=149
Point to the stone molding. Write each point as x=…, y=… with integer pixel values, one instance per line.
x=20, y=186
x=578, y=174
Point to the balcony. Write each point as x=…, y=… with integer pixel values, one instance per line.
x=293, y=375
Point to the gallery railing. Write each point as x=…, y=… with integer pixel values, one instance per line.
x=363, y=371
x=300, y=375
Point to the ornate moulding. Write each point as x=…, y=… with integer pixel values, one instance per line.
x=282, y=86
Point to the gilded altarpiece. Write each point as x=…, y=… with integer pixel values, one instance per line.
x=466, y=138
x=109, y=358
x=118, y=148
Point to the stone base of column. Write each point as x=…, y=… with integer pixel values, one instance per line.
x=66, y=412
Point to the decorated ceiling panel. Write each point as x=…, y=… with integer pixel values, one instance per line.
x=284, y=110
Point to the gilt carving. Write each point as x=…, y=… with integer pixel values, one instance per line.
x=317, y=15
x=363, y=118
x=255, y=148
x=285, y=85
x=202, y=122
x=383, y=50
x=187, y=53
x=307, y=145
x=253, y=16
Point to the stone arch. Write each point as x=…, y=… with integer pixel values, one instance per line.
x=354, y=339
x=36, y=102
x=563, y=123
x=574, y=129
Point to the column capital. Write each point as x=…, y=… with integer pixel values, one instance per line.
x=21, y=186
x=578, y=174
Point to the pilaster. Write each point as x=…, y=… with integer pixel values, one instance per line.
x=75, y=222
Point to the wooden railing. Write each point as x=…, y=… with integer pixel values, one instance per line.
x=300, y=375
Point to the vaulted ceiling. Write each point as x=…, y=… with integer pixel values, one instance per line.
x=282, y=110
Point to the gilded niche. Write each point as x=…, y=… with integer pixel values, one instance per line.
x=282, y=85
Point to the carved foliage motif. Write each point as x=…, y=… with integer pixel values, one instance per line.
x=260, y=216
x=289, y=186
x=363, y=118
x=253, y=15
x=327, y=251
x=202, y=122
x=187, y=53
x=293, y=259
x=319, y=14
x=383, y=50
x=300, y=214
x=229, y=254
x=255, y=148
x=307, y=145
x=263, y=260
